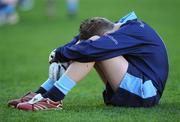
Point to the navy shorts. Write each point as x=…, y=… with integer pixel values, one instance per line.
x=135, y=90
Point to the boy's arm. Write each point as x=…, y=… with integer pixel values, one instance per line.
x=52, y=54
x=103, y=48
x=56, y=67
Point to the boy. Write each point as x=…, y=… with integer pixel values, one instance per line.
x=129, y=56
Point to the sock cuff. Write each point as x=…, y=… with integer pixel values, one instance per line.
x=65, y=84
x=54, y=94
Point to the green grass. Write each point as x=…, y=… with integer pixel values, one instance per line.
x=24, y=50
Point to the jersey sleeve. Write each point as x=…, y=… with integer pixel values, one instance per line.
x=107, y=46
x=131, y=39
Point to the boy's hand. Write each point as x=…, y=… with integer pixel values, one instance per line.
x=56, y=70
x=52, y=57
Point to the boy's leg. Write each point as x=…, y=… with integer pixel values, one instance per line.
x=55, y=72
x=52, y=99
x=75, y=72
x=126, y=85
x=112, y=70
x=107, y=69
x=101, y=73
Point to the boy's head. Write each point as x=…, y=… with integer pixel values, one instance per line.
x=94, y=26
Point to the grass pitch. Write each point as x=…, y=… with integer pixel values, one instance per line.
x=24, y=50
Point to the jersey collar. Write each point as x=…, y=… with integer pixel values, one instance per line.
x=129, y=16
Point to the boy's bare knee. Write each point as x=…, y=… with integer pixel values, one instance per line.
x=78, y=70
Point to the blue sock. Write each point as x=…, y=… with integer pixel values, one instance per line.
x=48, y=84
x=60, y=88
x=65, y=84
